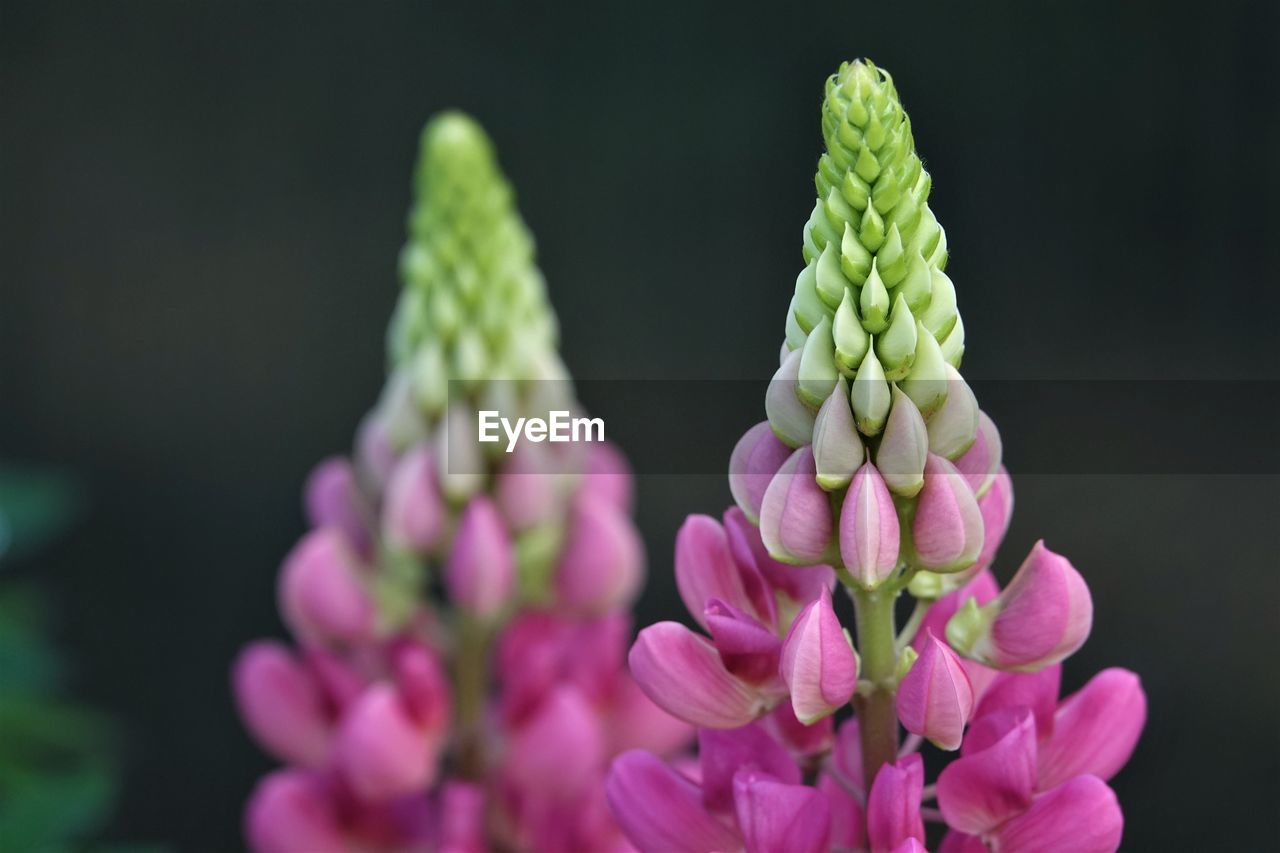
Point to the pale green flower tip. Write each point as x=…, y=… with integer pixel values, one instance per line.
x=869, y=395
x=968, y=624
x=896, y=348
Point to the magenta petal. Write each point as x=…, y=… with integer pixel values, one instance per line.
x=846, y=759
x=608, y=477
x=756, y=458
x=749, y=650
x=563, y=740
x=775, y=815
x=1035, y=690
x=1079, y=816
x=292, y=810
x=722, y=753
x=981, y=461
x=982, y=789
x=818, y=664
x=869, y=533
x=381, y=750
x=462, y=827
x=683, y=674
x=602, y=562
x=480, y=574
x=795, y=516
x=661, y=811
x=321, y=594
x=281, y=704
x=946, y=532
x=934, y=698
x=959, y=842
x=706, y=569
x=333, y=499
x=801, y=584
x=893, y=806
x=413, y=510
x=996, y=507
x=1045, y=614
x=423, y=684
x=801, y=739
x=848, y=819
x=638, y=723
x=911, y=845
x=1096, y=729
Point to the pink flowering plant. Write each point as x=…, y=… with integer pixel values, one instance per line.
x=875, y=475
x=457, y=680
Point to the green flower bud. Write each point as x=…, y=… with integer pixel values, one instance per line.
x=830, y=281
x=871, y=231
x=954, y=427
x=806, y=306
x=896, y=348
x=874, y=303
x=926, y=384
x=855, y=260
x=940, y=315
x=790, y=419
x=818, y=365
x=869, y=396
x=891, y=258
x=795, y=334
x=851, y=339
x=837, y=449
x=916, y=285
x=953, y=346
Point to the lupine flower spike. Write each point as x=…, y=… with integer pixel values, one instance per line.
x=875, y=466
x=484, y=717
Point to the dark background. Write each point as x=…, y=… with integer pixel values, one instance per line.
x=201, y=206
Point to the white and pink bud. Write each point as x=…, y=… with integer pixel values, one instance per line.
x=480, y=575
x=818, y=662
x=947, y=530
x=981, y=462
x=413, y=510
x=795, y=516
x=935, y=699
x=869, y=532
x=904, y=447
x=1040, y=618
x=756, y=458
x=601, y=564
x=322, y=592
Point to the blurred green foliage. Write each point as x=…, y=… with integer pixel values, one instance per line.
x=57, y=767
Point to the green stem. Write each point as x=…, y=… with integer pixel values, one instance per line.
x=877, y=719
x=912, y=626
x=470, y=684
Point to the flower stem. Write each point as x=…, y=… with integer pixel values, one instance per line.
x=470, y=684
x=877, y=720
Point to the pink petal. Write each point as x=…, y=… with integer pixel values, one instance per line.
x=333, y=499
x=563, y=740
x=462, y=827
x=292, y=810
x=281, y=704
x=935, y=698
x=381, y=750
x=818, y=664
x=848, y=819
x=775, y=815
x=528, y=488
x=1079, y=816
x=983, y=788
x=684, y=675
x=1035, y=690
x=322, y=596
x=608, y=477
x=423, y=684
x=981, y=461
x=722, y=753
x=413, y=510
x=661, y=811
x=706, y=569
x=480, y=573
x=801, y=584
x=869, y=533
x=1096, y=729
x=756, y=458
x=996, y=507
x=749, y=650
x=893, y=806
x=602, y=562
x=846, y=760
x=795, y=516
x=1045, y=614
x=801, y=739
x=959, y=842
x=947, y=533
x=638, y=723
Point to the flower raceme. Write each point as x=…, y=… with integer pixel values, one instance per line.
x=875, y=467
x=410, y=721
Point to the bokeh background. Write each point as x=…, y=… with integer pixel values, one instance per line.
x=201, y=206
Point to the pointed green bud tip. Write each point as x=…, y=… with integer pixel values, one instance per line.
x=968, y=624
x=905, y=661
x=870, y=396
x=473, y=305
x=874, y=252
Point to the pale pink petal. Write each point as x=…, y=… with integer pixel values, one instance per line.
x=818, y=664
